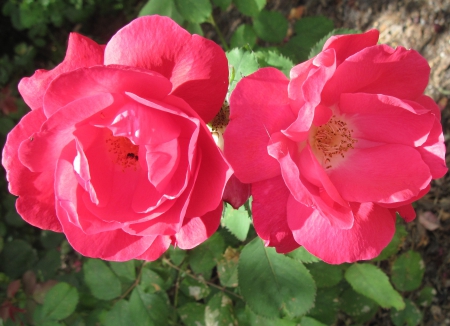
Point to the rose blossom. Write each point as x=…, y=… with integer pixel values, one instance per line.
x=334, y=152
x=115, y=152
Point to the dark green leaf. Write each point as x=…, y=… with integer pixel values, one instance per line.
x=237, y=221
x=410, y=316
x=326, y=305
x=119, y=315
x=192, y=314
x=125, y=269
x=397, y=240
x=17, y=257
x=325, y=275
x=426, y=296
x=148, y=308
x=101, y=280
x=272, y=282
x=219, y=311
x=193, y=28
x=6, y=124
x=49, y=264
x=314, y=27
x=59, y=302
x=194, y=288
x=308, y=321
x=51, y=240
x=163, y=8
x=250, y=7
x=204, y=257
x=253, y=319
x=242, y=36
x=151, y=281
x=195, y=11
x=358, y=306
x=223, y=4
x=177, y=255
x=372, y=282
x=303, y=256
x=271, y=26
x=407, y=271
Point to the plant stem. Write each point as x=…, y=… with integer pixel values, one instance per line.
x=135, y=283
x=166, y=261
x=222, y=39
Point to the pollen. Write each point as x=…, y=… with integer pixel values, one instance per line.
x=123, y=152
x=334, y=139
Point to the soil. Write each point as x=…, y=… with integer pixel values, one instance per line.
x=422, y=25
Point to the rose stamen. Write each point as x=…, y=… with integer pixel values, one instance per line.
x=123, y=152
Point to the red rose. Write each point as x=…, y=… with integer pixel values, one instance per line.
x=115, y=152
x=334, y=152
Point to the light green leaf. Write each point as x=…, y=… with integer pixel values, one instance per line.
x=219, y=311
x=242, y=63
x=227, y=268
x=372, y=282
x=271, y=26
x=163, y=8
x=148, y=308
x=204, y=257
x=358, y=306
x=237, y=221
x=192, y=314
x=407, y=271
x=410, y=316
x=250, y=7
x=101, y=280
x=195, y=11
x=242, y=36
x=126, y=269
x=303, y=256
x=270, y=58
x=60, y=302
x=272, y=282
x=119, y=315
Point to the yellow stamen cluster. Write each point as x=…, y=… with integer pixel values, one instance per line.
x=222, y=118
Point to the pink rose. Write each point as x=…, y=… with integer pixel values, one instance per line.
x=115, y=152
x=334, y=152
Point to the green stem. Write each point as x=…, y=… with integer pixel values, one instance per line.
x=222, y=39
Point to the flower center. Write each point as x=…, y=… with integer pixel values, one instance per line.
x=123, y=152
x=333, y=139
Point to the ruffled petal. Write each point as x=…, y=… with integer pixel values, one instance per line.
x=259, y=106
x=236, y=193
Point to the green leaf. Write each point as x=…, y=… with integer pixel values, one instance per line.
x=204, y=257
x=250, y=7
x=195, y=289
x=16, y=258
x=51, y=240
x=325, y=275
x=319, y=45
x=177, y=255
x=237, y=221
x=163, y=8
x=49, y=264
x=253, y=319
x=308, y=321
x=125, y=269
x=195, y=11
x=242, y=36
x=358, y=306
x=6, y=124
x=194, y=28
x=268, y=58
x=410, y=316
x=119, y=314
x=426, y=296
x=192, y=314
x=227, y=268
x=60, y=302
x=151, y=281
x=271, y=26
x=407, y=271
x=372, y=282
x=303, y=256
x=101, y=280
x=223, y=4
x=272, y=282
x=393, y=247
x=326, y=305
x=242, y=63
x=219, y=311
x=148, y=308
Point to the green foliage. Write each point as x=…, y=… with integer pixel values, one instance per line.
x=358, y=306
x=237, y=221
x=101, y=280
x=219, y=310
x=244, y=35
x=250, y=7
x=270, y=26
x=397, y=240
x=374, y=283
x=194, y=11
x=410, y=316
x=303, y=256
x=271, y=283
x=242, y=63
x=163, y=8
x=326, y=275
x=60, y=302
x=407, y=271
